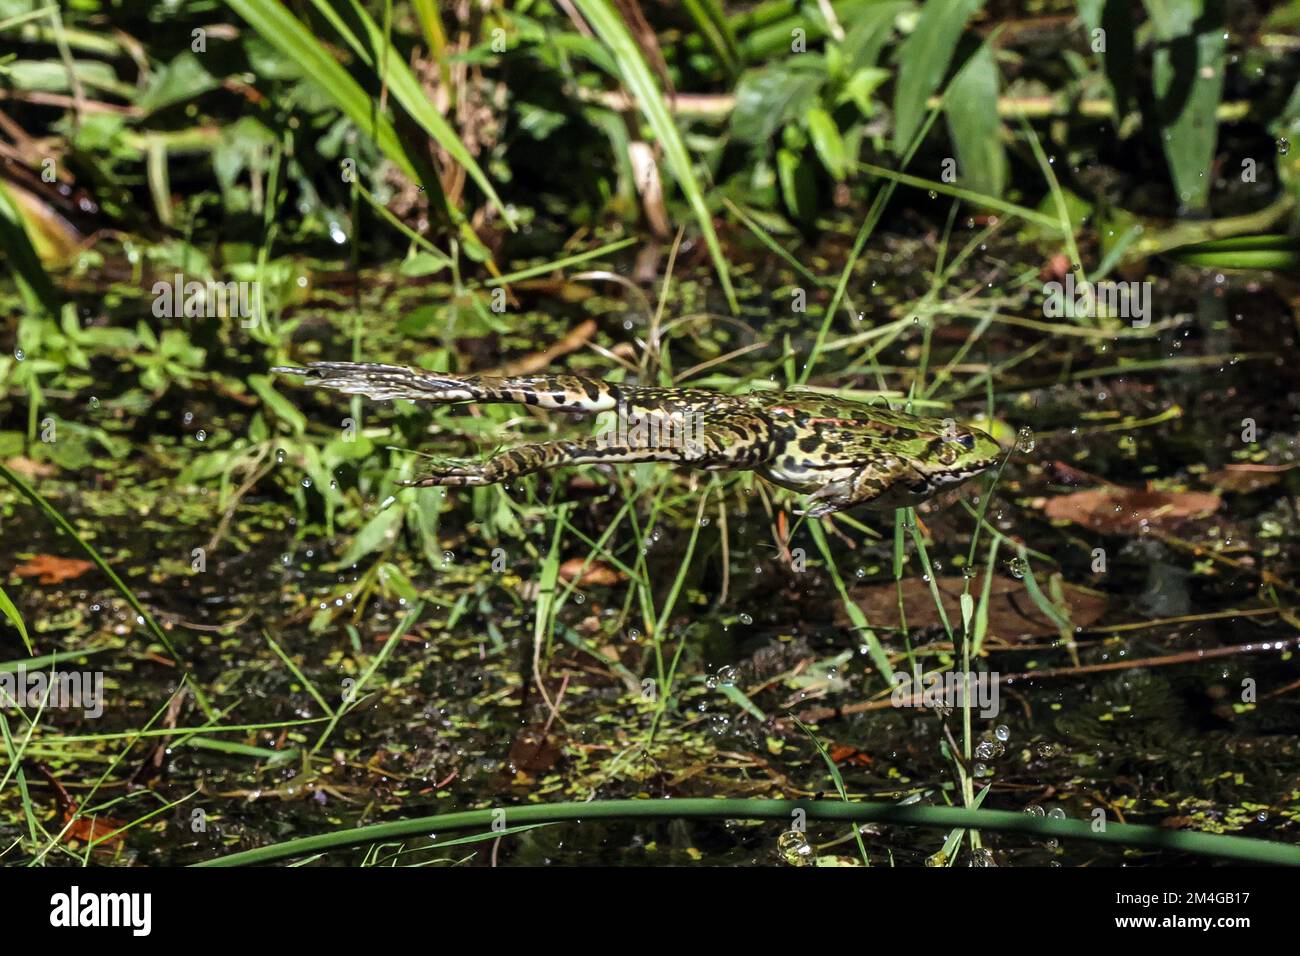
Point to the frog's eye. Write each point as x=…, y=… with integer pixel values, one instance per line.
x=967, y=442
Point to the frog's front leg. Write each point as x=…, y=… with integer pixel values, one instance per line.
x=527, y=459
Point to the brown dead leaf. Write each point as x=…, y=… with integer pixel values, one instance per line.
x=51, y=569
x=535, y=752
x=32, y=469
x=1118, y=510
x=1013, y=615
x=576, y=338
x=1246, y=478
x=598, y=573
x=90, y=829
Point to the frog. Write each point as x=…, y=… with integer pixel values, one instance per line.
x=840, y=453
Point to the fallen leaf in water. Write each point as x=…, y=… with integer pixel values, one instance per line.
x=535, y=752
x=1117, y=510
x=90, y=829
x=49, y=569
x=842, y=754
x=1245, y=478
x=1013, y=615
x=32, y=469
x=597, y=574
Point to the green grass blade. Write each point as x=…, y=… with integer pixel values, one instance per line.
x=636, y=75
x=287, y=34
x=406, y=90
x=1244, y=849
x=20, y=255
x=10, y=611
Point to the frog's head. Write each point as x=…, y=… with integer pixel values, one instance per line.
x=950, y=453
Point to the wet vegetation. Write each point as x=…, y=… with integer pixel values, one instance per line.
x=896, y=201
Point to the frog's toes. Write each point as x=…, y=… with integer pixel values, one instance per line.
x=452, y=477
x=826, y=500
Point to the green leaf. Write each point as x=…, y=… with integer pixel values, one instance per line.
x=185, y=78
x=826, y=140
x=971, y=109
x=798, y=185
x=923, y=62
x=20, y=256
x=374, y=534
x=277, y=403
x=10, y=611
x=636, y=75
x=1188, y=81
x=1114, y=18
x=767, y=99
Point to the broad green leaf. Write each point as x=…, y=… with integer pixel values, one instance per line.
x=971, y=109
x=798, y=185
x=767, y=99
x=283, y=408
x=1188, y=80
x=1112, y=35
x=183, y=79
x=826, y=140
x=923, y=62
x=374, y=534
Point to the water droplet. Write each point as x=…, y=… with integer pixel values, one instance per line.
x=746, y=619
x=793, y=848
x=1002, y=732
x=1018, y=567
x=1025, y=440
x=279, y=456
x=306, y=482
x=1035, y=811
x=719, y=724
x=982, y=857
x=1283, y=145
x=201, y=435
x=727, y=676
x=19, y=354
x=94, y=402
x=933, y=194
x=1056, y=813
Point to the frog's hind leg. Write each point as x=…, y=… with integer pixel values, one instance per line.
x=568, y=393
x=527, y=459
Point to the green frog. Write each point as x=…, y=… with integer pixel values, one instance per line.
x=840, y=453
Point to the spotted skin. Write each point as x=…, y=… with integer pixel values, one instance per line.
x=840, y=453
